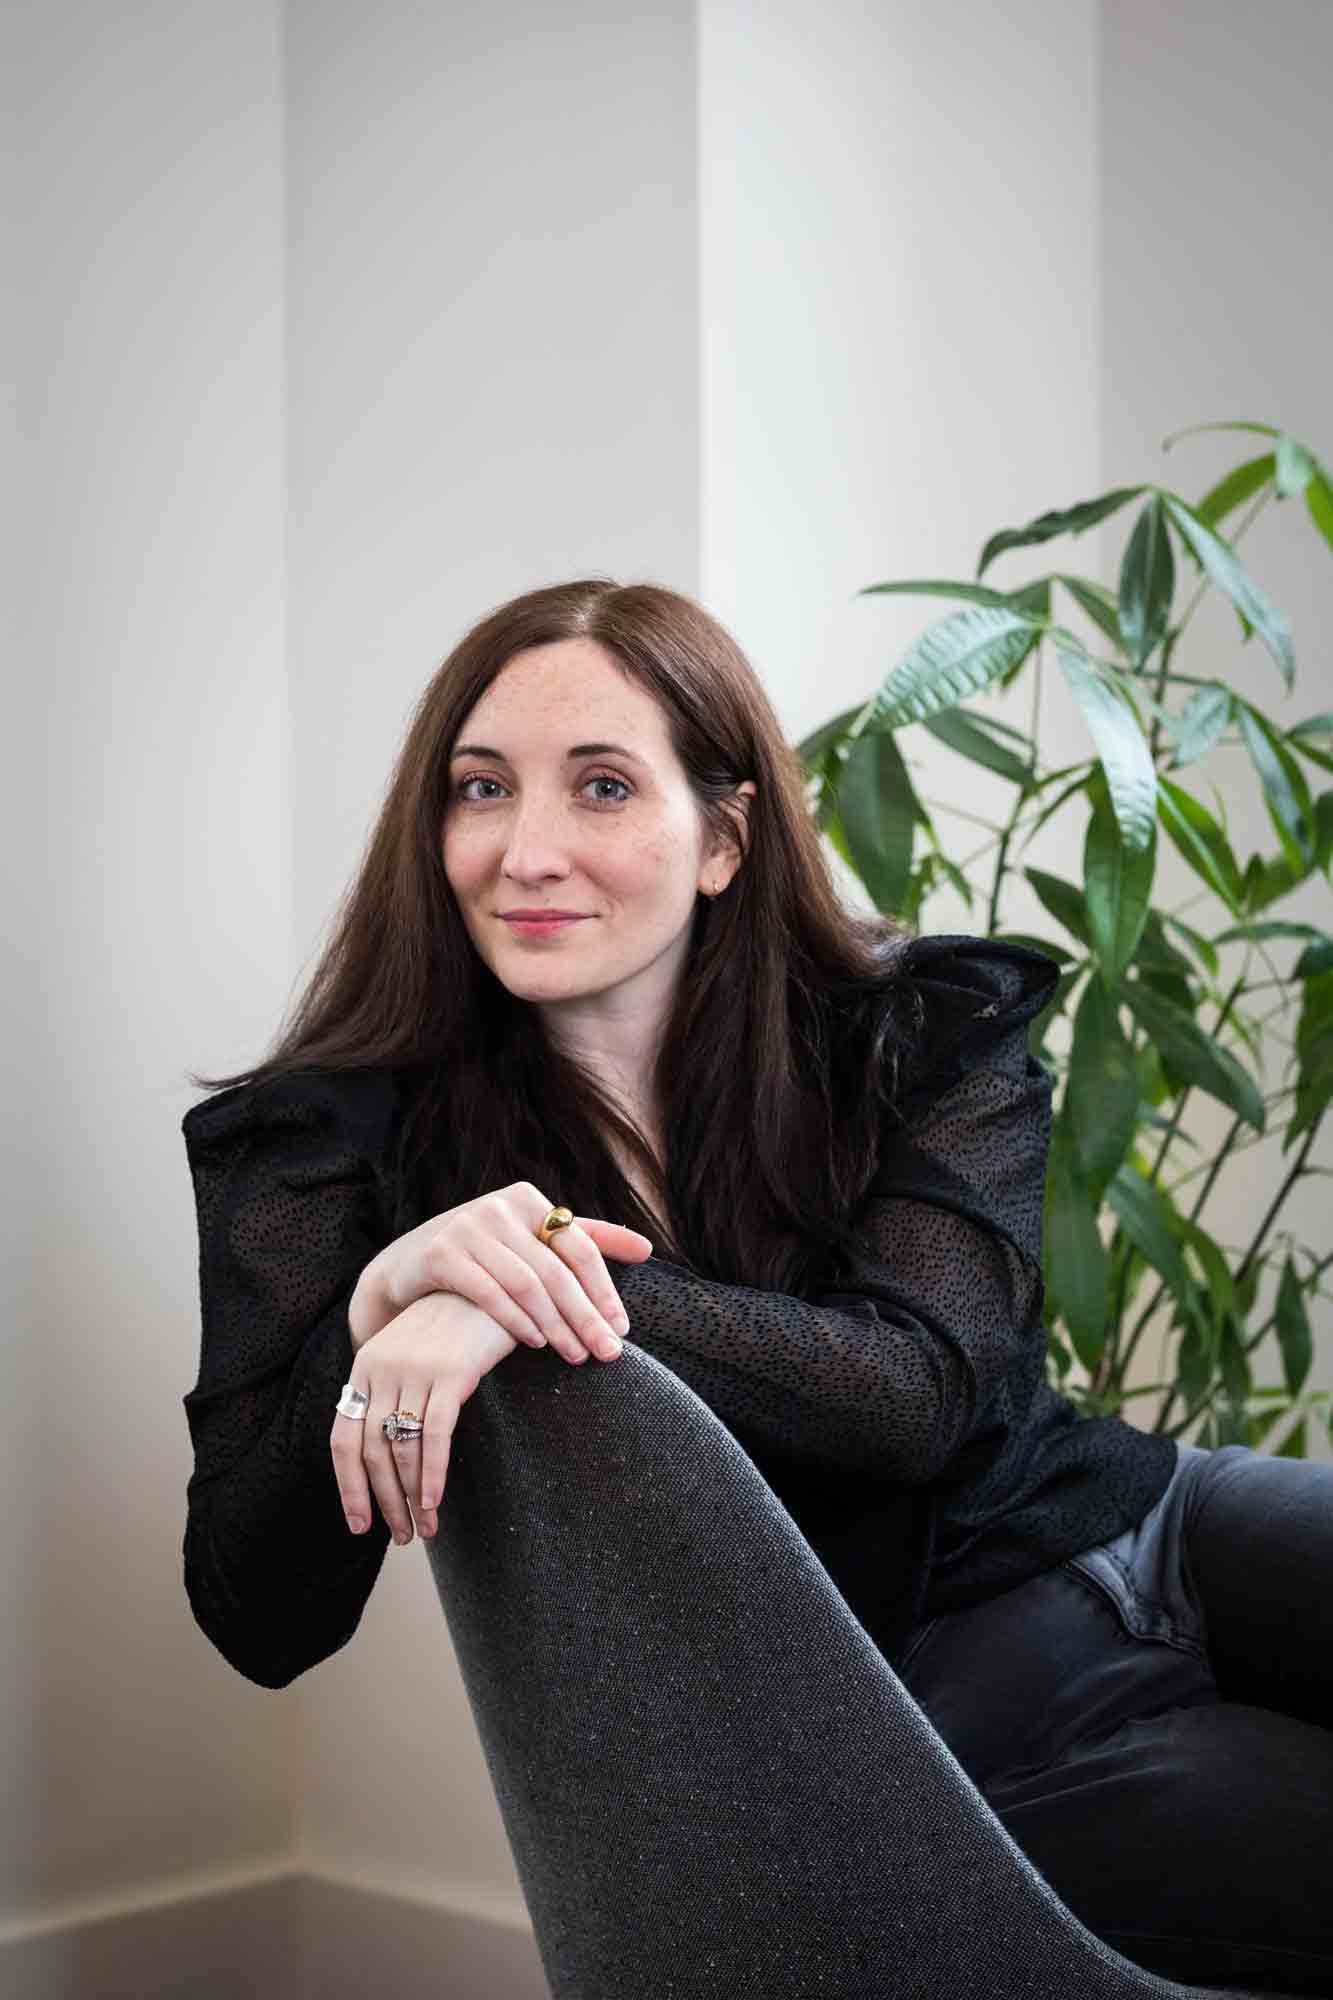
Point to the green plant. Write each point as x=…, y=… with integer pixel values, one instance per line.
x=1152, y=1014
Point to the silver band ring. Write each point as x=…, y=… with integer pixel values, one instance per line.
x=353, y=1403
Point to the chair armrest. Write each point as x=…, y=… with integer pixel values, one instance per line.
x=712, y=1781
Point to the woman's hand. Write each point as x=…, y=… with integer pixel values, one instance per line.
x=488, y=1252
x=428, y=1360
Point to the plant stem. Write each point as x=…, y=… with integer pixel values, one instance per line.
x=1123, y=1359
x=947, y=805
x=1288, y=1183
x=1292, y=1176
x=1307, y=1285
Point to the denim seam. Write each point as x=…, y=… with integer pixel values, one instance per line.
x=1180, y=1641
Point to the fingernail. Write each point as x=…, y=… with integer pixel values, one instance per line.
x=401, y=1538
x=355, y=1523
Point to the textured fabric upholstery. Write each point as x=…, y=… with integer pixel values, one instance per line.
x=712, y=1781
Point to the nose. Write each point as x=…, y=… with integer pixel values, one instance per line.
x=536, y=849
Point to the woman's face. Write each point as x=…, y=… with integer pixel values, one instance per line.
x=537, y=820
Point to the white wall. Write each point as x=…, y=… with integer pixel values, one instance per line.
x=1218, y=286
x=147, y=692
x=339, y=327
x=901, y=306
x=492, y=384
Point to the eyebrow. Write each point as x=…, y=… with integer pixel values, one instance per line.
x=578, y=750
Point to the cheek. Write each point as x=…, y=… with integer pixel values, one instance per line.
x=650, y=867
x=464, y=859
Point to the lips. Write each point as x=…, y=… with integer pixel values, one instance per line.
x=543, y=920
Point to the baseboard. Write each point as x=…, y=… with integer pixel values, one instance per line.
x=284, y=1935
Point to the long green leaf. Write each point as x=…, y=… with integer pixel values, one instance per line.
x=1319, y=500
x=1268, y=927
x=1155, y=953
x=1314, y=1056
x=1239, y=485
x=1200, y=945
x=1065, y=903
x=1221, y=1290
x=1147, y=583
x=1196, y=1358
x=1200, y=724
x=1228, y=424
x=1066, y=521
x=1201, y=841
x=975, y=593
x=1219, y=559
x=1268, y=878
x=879, y=809
x=1293, y=1328
x=968, y=735
x=1102, y=1091
x=1033, y=599
x=1316, y=958
x=1099, y=603
x=1300, y=736
x=1121, y=746
x=1293, y=1444
x=1194, y=1056
x=1323, y=830
x=955, y=658
x=1285, y=791
x=1148, y=1220
x=1235, y=1366
x=1117, y=884
x=1074, y=1255
x=1295, y=466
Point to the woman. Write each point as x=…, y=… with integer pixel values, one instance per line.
x=594, y=957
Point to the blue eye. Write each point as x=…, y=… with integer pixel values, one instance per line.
x=596, y=778
x=608, y=778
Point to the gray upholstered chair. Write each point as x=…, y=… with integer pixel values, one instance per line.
x=712, y=1781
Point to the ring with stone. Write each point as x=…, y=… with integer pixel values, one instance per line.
x=402, y=1425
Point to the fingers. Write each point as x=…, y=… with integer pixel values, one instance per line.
x=572, y=1271
x=538, y=1295
x=537, y=1286
x=428, y=1472
x=617, y=1239
x=407, y=1475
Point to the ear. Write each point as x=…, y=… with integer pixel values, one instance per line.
x=738, y=806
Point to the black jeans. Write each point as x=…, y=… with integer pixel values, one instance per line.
x=1153, y=1723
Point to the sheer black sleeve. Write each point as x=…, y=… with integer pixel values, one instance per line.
x=893, y=1376
x=291, y=1206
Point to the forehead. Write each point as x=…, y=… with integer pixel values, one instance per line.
x=550, y=696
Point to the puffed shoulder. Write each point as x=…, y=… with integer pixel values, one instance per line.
x=349, y=1110
x=973, y=991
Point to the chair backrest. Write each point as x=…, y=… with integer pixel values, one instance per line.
x=712, y=1781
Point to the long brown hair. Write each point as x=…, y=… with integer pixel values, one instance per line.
x=782, y=1048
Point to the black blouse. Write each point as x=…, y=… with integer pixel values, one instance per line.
x=905, y=1423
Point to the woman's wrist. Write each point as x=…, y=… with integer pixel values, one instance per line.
x=474, y=1338
x=477, y=1343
